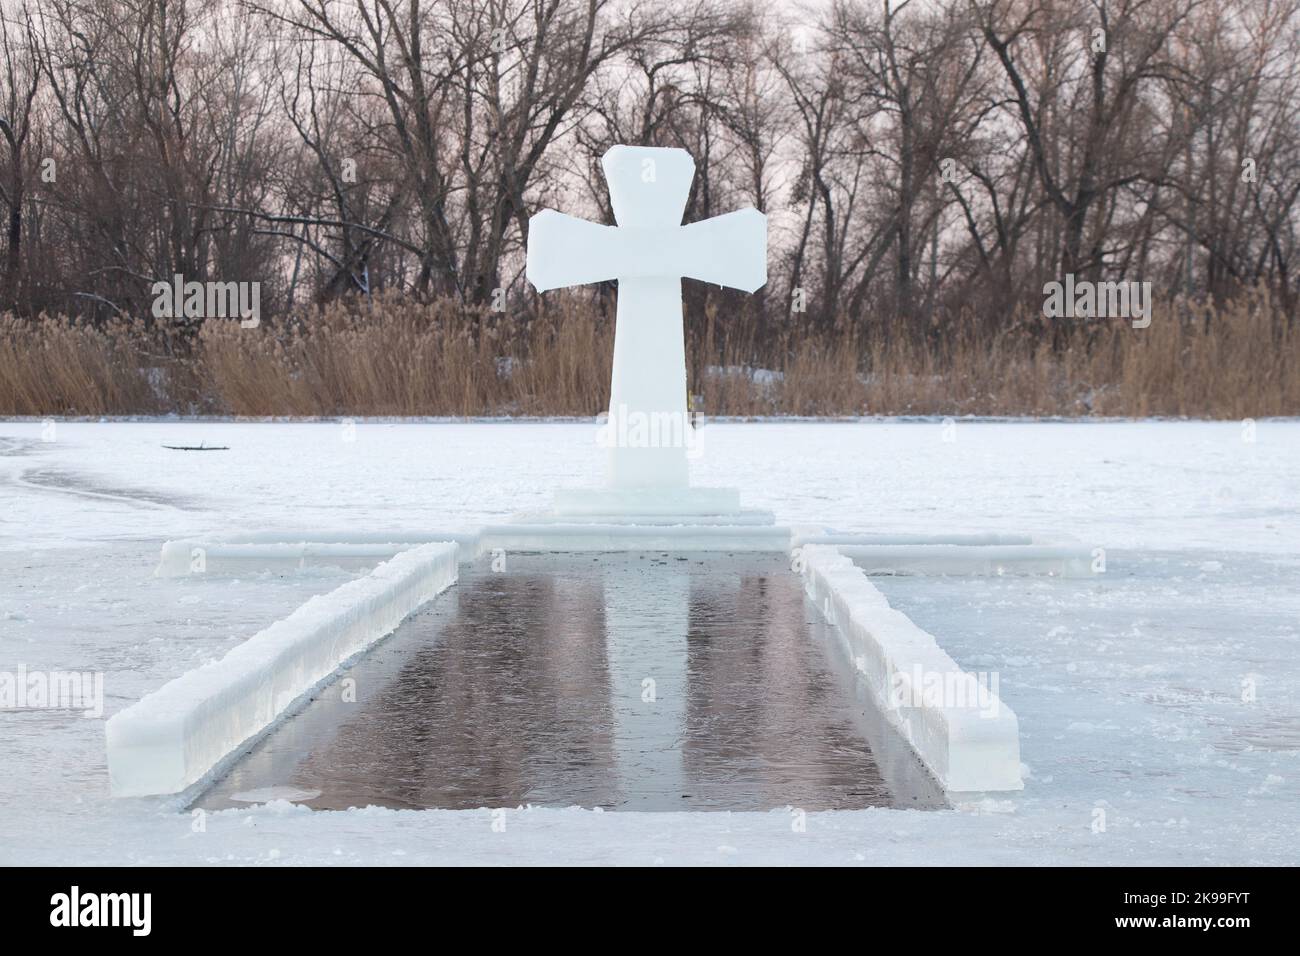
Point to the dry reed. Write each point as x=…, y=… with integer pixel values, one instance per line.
x=397, y=357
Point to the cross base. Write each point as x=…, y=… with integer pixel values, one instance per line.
x=623, y=502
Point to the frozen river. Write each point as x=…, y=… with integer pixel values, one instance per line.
x=1159, y=703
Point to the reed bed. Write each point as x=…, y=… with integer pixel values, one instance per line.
x=397, y=357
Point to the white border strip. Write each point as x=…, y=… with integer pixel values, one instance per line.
x=170, y=739
x=989, y=560
x=619, y=537
x=220, y=558
x=969, y=740
x=258, y=552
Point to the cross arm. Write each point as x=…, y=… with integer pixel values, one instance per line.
x=728, y=250
x=564, y=250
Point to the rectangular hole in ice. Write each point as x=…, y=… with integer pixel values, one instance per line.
x=630, y=681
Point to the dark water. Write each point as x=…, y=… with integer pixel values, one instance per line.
x=625, y=681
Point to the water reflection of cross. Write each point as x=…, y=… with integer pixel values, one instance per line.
x=649, y=252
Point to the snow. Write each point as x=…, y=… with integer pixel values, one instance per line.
x=1159, y=703
x=959, y=728
x=1116, y=484
x=173, y=737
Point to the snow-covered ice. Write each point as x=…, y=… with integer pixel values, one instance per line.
x=1159, y=703
x=175, y=736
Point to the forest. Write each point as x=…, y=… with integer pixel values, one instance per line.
x=928, y=169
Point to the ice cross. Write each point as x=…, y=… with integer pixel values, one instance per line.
x=648, y=252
